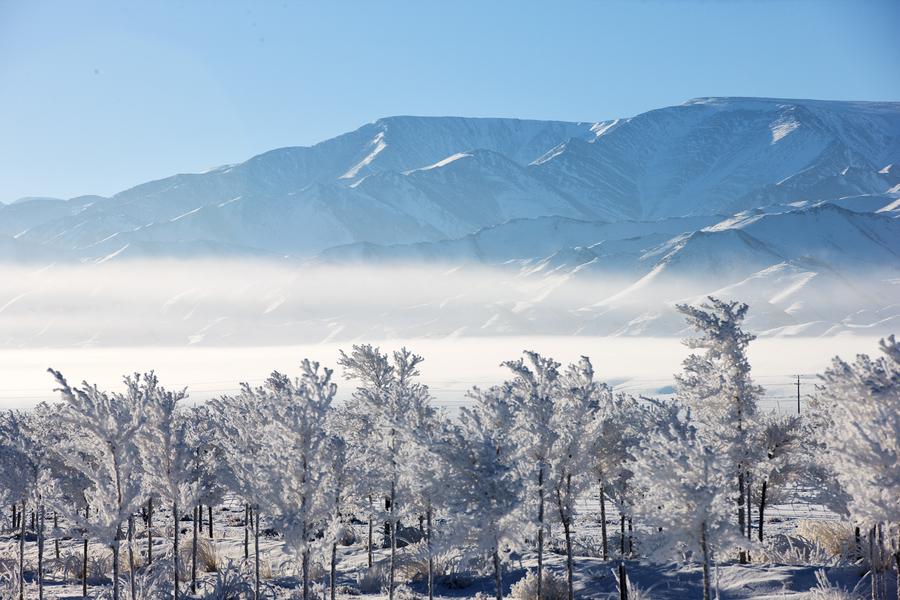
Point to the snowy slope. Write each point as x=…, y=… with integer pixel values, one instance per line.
x=518, y=239
x=727, y=154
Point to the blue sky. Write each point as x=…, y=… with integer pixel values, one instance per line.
x=99, y=96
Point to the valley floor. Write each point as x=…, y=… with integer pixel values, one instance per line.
x=786, y=567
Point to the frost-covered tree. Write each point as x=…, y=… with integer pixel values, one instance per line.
x=275, y=441
x=387, y=396
x=577, y=405
x=28, y=468
x=782, y=461
x=863, y=443
x=424, y=462
x=554, y=414
x=296, y=461
x=686, y=483
x=175, y=460
x=485, y=490
x=718, y=386
x=104, y=446
x=241, y=425
x=336, y=488
x=533, y=393
x=613, y=436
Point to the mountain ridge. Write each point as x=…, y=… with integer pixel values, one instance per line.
x=613, y=221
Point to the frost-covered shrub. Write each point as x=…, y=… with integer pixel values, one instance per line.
x=231, y=583
x=373, y=579
x=787, y=550
x=448, y=567
x=403, y=592
x=825, y=590
x=836, y=538
x=70, y=565
x=317, y=570
x=634, y=592
x=553, y=587
x=99, y=567
x=208, y=558
x=155, y=581
x=8, y=580
x=346, y=536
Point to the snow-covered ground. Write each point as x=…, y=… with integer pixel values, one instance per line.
x=771, y=576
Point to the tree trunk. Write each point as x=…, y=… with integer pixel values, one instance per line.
x=304, y=561
x=197, y=510
x=15, y=520
x=428, y=534
x=246, y=531
x=498, y=575
x=22, y=553
x=873, y=574
x=623, y=582
x=762, y=508
x=150, y=531
x=56, y=539
x=858, y=537
x=705, y=549
x=566, y=521
x=393, y=524
x=333, y=575
x=603, y=523
x=569, y=574
x=175, y=557
x=84, y=556
x=387, y=524
x=115, y=560
x=256, y=551
x=742, y=557
x=210, y=511
x=540, y=569
x=131, y=555
x=749, y=508
x=40, y=543
x=630, y=538
x=897, y=560
x=369, y=548
x=622, y=534
x=882, y=563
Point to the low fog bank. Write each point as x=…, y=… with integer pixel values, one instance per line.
x=241, y=303
x=452, y=366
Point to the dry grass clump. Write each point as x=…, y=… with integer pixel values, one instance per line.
x=836, y=538
x=208, y=558
x=412, y=565
x=373, y=579
x=788, y=550
x=552, y=587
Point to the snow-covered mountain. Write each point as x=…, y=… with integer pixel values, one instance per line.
x=793, y=203
x=420, y=179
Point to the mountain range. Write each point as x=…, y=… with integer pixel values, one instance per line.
x=790, y=203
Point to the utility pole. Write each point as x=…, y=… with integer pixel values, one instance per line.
x=798, y=394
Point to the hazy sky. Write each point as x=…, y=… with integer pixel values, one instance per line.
x=98, y=96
